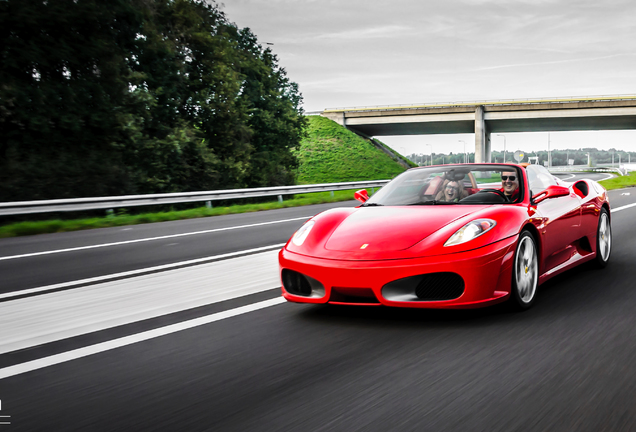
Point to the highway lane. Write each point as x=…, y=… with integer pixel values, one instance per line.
x=567, y=364
x=35, y=271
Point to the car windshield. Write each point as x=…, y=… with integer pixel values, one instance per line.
x=452, y=185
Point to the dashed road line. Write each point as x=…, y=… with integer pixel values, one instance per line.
x=617, y=209
x=21, y=368
x=122, y=275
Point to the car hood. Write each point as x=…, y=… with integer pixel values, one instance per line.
x=389, y=229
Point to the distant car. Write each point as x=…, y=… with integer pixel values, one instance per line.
x=417, y=243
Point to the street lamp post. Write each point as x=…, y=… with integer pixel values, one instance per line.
x=431, y=153
x=504, y=137
x=464, y=149
x=549, y=154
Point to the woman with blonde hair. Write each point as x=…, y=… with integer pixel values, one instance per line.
x=452, y=191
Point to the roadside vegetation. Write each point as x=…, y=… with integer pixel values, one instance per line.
x=331, y=153
x=620, y=182
x=127, y=97
x=122, y=218
x=324, y=156
x=155, y=97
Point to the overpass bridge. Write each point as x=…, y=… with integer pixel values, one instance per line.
x=482, y=118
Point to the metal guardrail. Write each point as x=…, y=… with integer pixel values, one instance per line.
x=112, y=202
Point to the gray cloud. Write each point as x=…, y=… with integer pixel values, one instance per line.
x=365, y=52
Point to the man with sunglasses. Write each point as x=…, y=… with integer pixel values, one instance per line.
x=510, y=184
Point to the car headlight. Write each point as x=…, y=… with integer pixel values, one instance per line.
x=470, y=231
x=299, y=236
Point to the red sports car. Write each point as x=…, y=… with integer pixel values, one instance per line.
x=450, y=236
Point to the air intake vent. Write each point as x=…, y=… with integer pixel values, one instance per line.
x=440, y=286
x=301, y=285
x=426, y=287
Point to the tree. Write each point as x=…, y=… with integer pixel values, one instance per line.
x=63, y=75
x=275, y=115
x=135, y=96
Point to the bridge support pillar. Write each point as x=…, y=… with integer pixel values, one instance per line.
x=482, y=137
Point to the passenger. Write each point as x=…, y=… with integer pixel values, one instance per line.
x=452, y=192
x=510, y=184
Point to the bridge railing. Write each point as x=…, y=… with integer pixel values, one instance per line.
x=113, y=202
x=532, y=101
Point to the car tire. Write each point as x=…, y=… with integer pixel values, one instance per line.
x=525, y=273
x=603, y=239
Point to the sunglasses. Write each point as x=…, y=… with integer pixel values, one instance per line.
x=512, y=178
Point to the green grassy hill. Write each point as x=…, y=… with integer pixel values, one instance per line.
x=330, y=153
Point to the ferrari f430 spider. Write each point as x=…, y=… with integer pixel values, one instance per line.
x=451, y=236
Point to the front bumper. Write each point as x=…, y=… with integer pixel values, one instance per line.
x=486, y=273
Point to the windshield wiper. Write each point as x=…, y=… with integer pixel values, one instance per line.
x=371, y=204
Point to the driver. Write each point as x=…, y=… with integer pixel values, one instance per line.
x=451, y=192
x=510, y=184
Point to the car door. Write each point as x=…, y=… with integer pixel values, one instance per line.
x=561, y=219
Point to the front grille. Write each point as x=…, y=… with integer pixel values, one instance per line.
x=353, y=295
x=440, y=286
x=425, y=287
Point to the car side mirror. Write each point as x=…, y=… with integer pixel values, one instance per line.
x=553, y=191
x=362, y=195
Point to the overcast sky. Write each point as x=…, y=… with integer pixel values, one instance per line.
x=351, y=53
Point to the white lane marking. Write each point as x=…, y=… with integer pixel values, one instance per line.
x=137, y=272
x=626, y=193
x=568, y=178
x=609, y=176
x=623, y=207
x=150, y=239
x=132, y=339
x=37, y=320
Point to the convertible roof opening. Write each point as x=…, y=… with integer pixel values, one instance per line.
x=453, y=185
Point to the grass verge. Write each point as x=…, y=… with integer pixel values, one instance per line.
x=620, y=182
x=58, y=225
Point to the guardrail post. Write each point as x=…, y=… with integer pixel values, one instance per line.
x=280, y=198
x=208, y=204
x=331, y=193
x=110, y=213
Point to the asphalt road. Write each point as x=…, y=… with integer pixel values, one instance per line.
x=142, y=246
x=567, y=364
